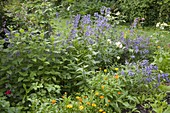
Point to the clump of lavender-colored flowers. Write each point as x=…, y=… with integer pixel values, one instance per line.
x=86, y=26
x=148, y=72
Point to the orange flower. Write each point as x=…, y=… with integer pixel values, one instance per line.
x=108, y=100
x=119, y=93
x=116, y=76
x=53, y=101
x=80, y=99
x=101, y=97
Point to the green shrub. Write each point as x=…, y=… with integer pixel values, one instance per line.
x=73, y=7
x=152, y=10
x=162, y=60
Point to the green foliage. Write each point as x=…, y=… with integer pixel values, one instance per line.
x=108, y=92
x=73, y=7
x=162, y=60
x=152, y=10
x=47, y=57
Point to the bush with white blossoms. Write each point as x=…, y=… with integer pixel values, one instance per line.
x=162, y=25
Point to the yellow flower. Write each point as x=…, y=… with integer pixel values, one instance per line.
x=105, y=78
x=158, y=47
x=105, y=70
x=85, y=96
x=77, y=97
x=125, y=35
x=101, y=97
x=53, y=101
x=116, y=69
x=102, y=87
x=81, y=107
x=103, y=112
x=93, y=104
x=69, y=106
x=100, y=110
x=88, y=103
x=97, y=93
x=106, y=105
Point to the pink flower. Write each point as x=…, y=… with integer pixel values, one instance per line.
x=8, y=92
x=143, y=19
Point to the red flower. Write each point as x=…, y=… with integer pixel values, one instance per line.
x=8, y=92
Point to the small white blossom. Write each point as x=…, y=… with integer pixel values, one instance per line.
x=118, y=13
x=108, y=15
x=164, y=24
x=158, y=24
x=109, y=41
x=118, y=57
x=68, y=8
x=119, y=44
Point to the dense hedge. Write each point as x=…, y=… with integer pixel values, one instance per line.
x=152, y=10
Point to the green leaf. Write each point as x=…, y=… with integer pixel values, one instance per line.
x=40, y=67
x=21, y=30
x=35, y=60
x=32, y=74
x=47, y=63
x=9, y=72
x=167, y=110
x=20, y=79
x=126, y=104
x=23, y=73
x=160, y=59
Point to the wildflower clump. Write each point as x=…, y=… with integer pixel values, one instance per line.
x=69, y=106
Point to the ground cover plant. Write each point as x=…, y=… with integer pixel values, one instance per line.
x=86, y=63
